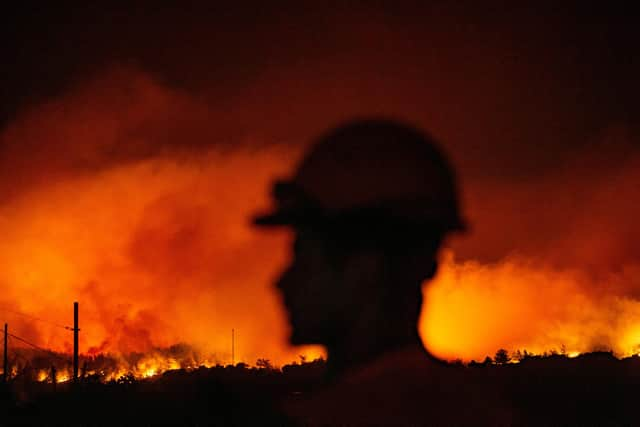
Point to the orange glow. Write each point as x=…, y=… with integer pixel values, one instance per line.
x=473, y=309
x=153, y=259
x=154, y=242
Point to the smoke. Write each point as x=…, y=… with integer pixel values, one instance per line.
x=581, y=213
x=552, y=261
x=133, y=198
x=122, y=196
x=121, y=115
x=522, y=303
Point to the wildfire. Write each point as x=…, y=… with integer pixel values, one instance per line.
x=155, y=244
x=105, y=367
x=473, y=309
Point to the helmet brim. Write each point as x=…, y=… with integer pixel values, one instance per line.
x=283, y=218
x=296, y=208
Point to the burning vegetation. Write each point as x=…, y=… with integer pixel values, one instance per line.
x=122, y=195
x=32, y=365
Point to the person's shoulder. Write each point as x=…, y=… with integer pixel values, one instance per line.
x=410, y=364
x=404, y=387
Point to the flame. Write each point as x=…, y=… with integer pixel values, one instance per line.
x=472, y=309
x=142, y=266
x=154, y=243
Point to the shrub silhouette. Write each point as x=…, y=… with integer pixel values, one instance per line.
x=501, y=357
x=264, y=364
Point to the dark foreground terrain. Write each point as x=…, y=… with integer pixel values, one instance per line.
x=594, y=389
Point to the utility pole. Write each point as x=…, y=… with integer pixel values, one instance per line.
x=54, y=377
x=5, y=364
x=233, y=347
x=75, y=342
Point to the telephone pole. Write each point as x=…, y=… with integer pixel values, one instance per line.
x=75, y=342
x=233, y=347
x=5, y=364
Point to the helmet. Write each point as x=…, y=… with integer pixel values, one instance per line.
x=371, y=170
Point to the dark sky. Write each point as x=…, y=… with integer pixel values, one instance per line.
x=513, y=75
x=514, y=93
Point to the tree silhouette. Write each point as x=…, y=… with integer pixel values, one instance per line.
x=264, y=364
x=501, y=357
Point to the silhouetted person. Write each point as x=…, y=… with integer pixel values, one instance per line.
x=370, y=205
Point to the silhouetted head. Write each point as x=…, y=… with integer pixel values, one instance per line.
x=370, y=205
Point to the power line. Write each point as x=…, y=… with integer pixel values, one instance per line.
x=36, y=318
x=16, y=354
x=37, y=347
